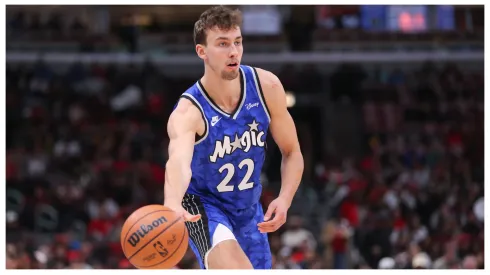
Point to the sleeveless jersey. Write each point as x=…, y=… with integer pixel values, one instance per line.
x=229, y=156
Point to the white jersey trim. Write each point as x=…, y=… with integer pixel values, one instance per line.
x=260, y=94
x=194, y=100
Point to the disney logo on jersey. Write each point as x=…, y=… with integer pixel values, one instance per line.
x=252, y=137
x=251, y=105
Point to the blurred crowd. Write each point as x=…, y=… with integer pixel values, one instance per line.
x=415, y=199
x=87, y=146
x=103, y=30
x=84, y=149
x=37, y=21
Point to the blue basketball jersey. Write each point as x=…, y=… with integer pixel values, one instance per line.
x=229, y=156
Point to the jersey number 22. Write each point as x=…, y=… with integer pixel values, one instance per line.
x=244, y=184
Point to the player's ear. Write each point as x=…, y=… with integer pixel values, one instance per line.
x=201, y=51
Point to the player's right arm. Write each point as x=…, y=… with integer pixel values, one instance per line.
x=183, y=124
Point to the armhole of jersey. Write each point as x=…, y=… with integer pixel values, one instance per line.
x=199, y=138
x=260, y=92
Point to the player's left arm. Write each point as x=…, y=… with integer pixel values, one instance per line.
x=283, y=131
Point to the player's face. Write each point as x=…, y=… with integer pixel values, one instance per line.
x=223, y=52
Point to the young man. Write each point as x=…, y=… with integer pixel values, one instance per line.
x=217, y=148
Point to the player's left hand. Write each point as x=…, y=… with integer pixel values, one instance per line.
x=279, y=208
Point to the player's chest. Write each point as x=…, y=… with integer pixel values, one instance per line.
x=228, y=136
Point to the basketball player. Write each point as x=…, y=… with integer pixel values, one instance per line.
x=217, y=148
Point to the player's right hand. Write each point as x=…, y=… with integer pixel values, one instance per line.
x=180, y=211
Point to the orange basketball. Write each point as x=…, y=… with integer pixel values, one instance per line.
x=153, y=237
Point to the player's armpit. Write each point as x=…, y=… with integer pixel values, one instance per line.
x=183, y=124
x=283, y=131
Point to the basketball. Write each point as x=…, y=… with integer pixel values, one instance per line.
x=153, y=237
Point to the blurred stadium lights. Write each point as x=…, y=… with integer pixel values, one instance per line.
x=290, y=99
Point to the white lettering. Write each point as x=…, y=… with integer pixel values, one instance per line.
x=259, y=141
x=251, y=105
x=248, y=139
x=221, y=149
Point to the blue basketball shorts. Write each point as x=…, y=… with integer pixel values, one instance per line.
x=217, y=225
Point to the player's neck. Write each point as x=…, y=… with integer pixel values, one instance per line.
x=223, y=92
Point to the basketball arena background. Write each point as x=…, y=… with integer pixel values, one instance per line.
x=388, y=102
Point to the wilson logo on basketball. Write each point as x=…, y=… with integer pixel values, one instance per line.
x=135, y=238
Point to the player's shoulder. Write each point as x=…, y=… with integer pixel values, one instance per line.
x=186, y=109
x=191, y=93
x=266, y=77
x=187, y=101
x=272, y=91
x=185, y=105
x=268, y=80
x=184, y=117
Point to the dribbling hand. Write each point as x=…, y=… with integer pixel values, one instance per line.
x=279, y=208
x=180, y=211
